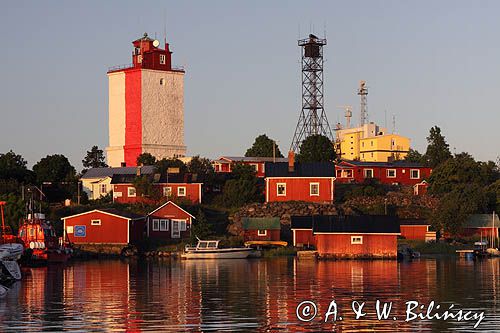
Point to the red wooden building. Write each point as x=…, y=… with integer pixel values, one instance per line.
x=368, y=236
x=224, y=163
x=174, y=187
x=312, y=182
x=479, y=225
x=104, y=226
x=416, y=229
x=169, y=222
x=261, y=228
x=398, y=172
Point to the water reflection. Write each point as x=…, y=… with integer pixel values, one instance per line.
x=244, y=295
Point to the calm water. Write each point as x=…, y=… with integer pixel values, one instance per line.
x=245, y=295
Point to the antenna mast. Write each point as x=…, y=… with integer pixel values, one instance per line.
x=363, y=92
x=312, y=119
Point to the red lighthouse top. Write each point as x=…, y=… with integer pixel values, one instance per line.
x=147, y=54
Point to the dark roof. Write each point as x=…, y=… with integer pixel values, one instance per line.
x=254, y=159
x=155, y=178
x=374, y=224
x=395, y=164
x=318, y=169
x=482, y=221
x=109, y=172
x=129, y=215
x=413, y=222
x=261, y=223
x=301, y=222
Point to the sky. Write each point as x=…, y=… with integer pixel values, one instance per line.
x=426, y=62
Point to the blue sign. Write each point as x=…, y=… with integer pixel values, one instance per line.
x=80, y=231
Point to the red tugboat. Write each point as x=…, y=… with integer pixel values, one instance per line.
x=40, y=240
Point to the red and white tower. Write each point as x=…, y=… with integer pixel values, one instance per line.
x=146, y=106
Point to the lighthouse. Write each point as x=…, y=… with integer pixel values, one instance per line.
x=146, y=106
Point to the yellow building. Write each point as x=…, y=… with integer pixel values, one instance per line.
x=371, y=143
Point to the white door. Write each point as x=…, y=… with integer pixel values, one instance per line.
x=175, y=233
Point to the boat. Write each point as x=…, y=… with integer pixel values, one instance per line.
x=209, y=249
x=480, y=249
x=39, y=238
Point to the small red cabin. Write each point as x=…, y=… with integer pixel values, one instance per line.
x=480, y=225
x=168, y=222
x=104, y=226
x=311, y=189
x=416, y=229
x=367, y=236
x=398, y=172
x=261, y=228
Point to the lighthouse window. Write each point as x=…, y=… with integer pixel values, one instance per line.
x=162, y=59
x=162, y=82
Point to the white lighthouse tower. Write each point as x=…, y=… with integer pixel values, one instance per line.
x=146, y=106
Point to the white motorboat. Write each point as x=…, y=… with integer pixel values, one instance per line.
x=209, y=249
x=11, y=251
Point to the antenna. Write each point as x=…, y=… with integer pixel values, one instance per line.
x=165, y=28
x=393, y=123
x=347, y=114
x=363, y=92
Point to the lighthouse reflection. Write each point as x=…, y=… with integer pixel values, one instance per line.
x=241, y=295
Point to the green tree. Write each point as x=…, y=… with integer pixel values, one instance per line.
x=54, y=168
x=202, y=169
x=414, y=156
x=164, y=164
x=263, y=147
x=146, y=159
x=145, y=187
x=13, y=210
x=201, y=227
x=94, y=159
x=316, y=148
x=243, y=188
x=13, y=166
x=438, y=151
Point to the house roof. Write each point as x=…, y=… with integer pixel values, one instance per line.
x=155, y=178
x=110, y=211
x=482, y=221
x=318, y=169
x=109, y=172
x=261, y=223
x=171, y=203
x=363, y=224
x=253, y=159
x=413, y=222
x=301, y=222
x=395, y=164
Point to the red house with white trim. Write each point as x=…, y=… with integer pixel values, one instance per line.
x=177, y=188
x=169, y=222
x=104, y=226
x=311, y=182
x=261, y=229
x=398, y=172
x=224, y=163
x=416, y=229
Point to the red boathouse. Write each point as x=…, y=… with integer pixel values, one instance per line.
x=261, y=228
x=169, y=222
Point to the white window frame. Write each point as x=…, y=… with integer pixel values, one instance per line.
x=365, y=173
x=156, y=225
x=278, y=187
x=411, y=174
x=95, y=222
x=128, y=192
x=356, y=240
x=139, y=59
x=389, y=176
x=167, y=191
x=163, y=227
x=103, y=186
x=182, y=225
x=163, y=59
x=179, y=194
x=162, y=82
x=311, y=185
x=261, y=232
x=255, y=166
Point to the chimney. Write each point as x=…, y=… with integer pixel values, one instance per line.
x=291, y=161
x=138, y=172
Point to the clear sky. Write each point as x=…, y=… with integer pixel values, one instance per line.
x=428, y=62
